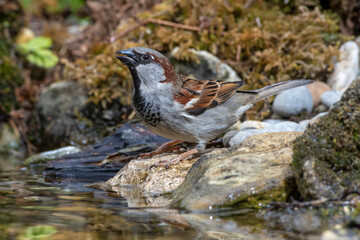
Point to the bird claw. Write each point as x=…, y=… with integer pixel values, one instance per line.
x=165, y=164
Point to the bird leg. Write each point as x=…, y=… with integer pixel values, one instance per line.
x=166, y=163
x=166, y=147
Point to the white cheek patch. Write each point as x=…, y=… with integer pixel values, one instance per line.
x=150, y=74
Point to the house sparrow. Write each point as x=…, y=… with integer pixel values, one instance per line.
x=184, y=109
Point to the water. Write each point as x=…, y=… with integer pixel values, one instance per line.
x=31, y=207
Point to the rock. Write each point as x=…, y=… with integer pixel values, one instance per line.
x=304, y=123
x=327, y=156
x=329, y=98
x=56, y=112
x=283, y=126
x=341, y=234
x=217, y=227
x=347, y=69
x=228, y=136
x=272, y=121
x=209, y=67
x=253, y=125
x=317, y=117
x=138, y=179
x=240, y=136
x=293, y=102
x=316, y=90
x=105, y=158
x=50, y=155
x=249, y=174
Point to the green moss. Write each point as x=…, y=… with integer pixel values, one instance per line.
x=265, y=43
x=257, y=200
x=10, y=75
x=332, y=144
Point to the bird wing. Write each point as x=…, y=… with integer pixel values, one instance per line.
x=199, y=95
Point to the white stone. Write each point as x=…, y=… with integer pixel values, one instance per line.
x=347, y=68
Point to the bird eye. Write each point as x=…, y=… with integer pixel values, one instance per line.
x=146, y=57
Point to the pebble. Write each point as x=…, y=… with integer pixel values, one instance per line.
x=347, y=69
x=317, y=89
x=283, y=126
x=329, y=98
x=292, y=102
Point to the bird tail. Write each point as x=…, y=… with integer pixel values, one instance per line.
x=268, y=91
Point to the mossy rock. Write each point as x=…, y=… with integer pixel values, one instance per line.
x=327, y=156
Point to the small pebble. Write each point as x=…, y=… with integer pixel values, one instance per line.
x=293, y=102
x=317, y=89
x=329, y=98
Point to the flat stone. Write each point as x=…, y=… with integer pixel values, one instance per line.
x=293, y=102
x=255, y=168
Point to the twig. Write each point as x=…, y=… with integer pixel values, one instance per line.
x=156, y=21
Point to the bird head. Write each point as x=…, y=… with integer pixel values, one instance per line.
x=151, y=71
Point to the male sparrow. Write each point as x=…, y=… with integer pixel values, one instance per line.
x=184, y=109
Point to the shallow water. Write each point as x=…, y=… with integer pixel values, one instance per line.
x=31, y=208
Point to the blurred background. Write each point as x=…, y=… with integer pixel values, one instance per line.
x=60, y=83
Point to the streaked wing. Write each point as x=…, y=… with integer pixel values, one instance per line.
x=200, y=95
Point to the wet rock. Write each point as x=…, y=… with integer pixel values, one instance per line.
x=208, y=67
x=106, y=157
x=138, y=180
x=293, y=102
x=316, y=90
x=283, y=126
x=327, y=156
x=249, y=174
x=50, y=155
x=215, y=227
x=329, y=98
x=347, y=69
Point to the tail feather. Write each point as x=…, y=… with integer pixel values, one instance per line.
x=268, y=91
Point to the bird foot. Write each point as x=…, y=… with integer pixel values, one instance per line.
x=183, y=156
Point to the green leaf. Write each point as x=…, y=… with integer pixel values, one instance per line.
x=36, y=43
x=37, y=232
x=43, y=58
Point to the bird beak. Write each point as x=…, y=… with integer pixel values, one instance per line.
x=129, y=59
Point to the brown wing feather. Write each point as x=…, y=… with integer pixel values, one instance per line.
x=198, y=96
